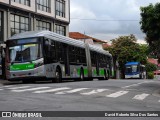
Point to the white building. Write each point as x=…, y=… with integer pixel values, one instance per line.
x=88, y=39
x=26, y=15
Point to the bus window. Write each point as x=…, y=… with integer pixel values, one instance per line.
x=59, y=51
x=128, y=69
x=93, y=58
x=71, y=54
x=83, y=56
x=53, y=51
x=134, y=68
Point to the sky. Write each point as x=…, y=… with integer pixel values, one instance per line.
x=107, y=19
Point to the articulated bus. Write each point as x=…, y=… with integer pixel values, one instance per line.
x=135, y=70
x=47, y=55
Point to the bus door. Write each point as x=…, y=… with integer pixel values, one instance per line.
x=66, y=60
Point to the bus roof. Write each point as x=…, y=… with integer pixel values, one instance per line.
x=97, y=49
x=64, y=39
x=132, y=63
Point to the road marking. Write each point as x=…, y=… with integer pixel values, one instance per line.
x=14, y=88
x=141, y=96
x=136, y=84
x=72, y=91
x=94, y=92
x=52, y=90
x=1, y=89
x=7, y=86
x=159, y=101
x=31, y=89
x=117, y=94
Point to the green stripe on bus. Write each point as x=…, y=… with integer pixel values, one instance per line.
x=85, y=71
x=78, y=72
x=94, y=72
x=101, y=72
x=22, y=67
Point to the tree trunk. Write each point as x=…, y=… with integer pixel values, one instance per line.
x=123, y=73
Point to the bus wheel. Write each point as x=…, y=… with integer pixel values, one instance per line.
x=58, y=76
x=106, y=75
x=82, y=75
x=140, y=76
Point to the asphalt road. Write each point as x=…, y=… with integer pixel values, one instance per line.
x=111, y=95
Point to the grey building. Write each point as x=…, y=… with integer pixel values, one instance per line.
x=26, y=15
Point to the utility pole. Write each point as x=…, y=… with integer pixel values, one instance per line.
x=84, y=37
x=117, y=70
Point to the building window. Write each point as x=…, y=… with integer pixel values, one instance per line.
x=19, y=24
x=60, y=8
x=44, y=5
x=1, y=31
x=24, y=2
x=60, y=29
x=42, y=25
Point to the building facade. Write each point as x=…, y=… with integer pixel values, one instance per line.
x=87, y=39
x=18, y=16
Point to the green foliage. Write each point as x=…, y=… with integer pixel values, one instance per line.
x=150, y=25
x=125, y=49
x=151, y=67
x=150, y=75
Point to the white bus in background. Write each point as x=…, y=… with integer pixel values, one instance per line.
x=47, y=55
x=135, y=70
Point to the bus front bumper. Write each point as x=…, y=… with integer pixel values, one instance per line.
x=26, y=74
x=132, y=76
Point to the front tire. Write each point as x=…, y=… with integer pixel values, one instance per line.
x=107, y=75
x=140, y=76
x=82, y=75
x=58, y=76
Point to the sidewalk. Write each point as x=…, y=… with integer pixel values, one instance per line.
x=2, y=81
x=157, y=77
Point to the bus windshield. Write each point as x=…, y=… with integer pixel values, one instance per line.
x=131, y=68
x=25, y=53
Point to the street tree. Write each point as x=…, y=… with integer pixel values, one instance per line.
x=150, y=67
x=125, y=49
x=150, y=25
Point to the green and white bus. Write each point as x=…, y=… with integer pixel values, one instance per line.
x=42, y=55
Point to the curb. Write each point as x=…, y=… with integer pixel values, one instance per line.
x=2, y=81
